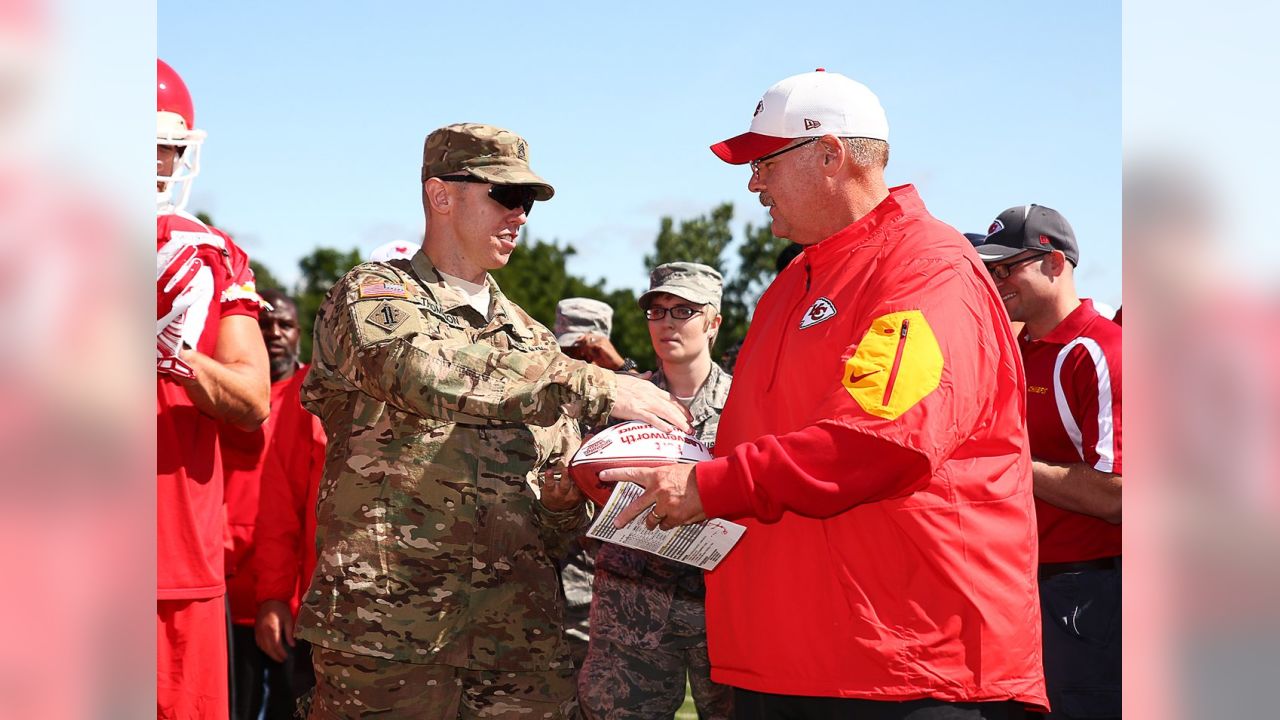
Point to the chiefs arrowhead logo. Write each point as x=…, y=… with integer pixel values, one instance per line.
x=820, y=310
x=759, y=108
x=996, y=227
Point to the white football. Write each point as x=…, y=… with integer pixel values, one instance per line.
x=630, y=444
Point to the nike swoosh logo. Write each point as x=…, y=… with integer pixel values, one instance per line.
x=856, y=378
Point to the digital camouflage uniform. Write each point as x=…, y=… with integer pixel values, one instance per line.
x=648, y=627
x=434, y=554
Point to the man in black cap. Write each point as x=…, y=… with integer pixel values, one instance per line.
x=1072, y=358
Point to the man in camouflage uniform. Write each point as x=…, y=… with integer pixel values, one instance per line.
x=434, y=593
x=648, y=626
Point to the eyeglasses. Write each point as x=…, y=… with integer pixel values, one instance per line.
x=508, y=196
x=755, y=164
x=1003, y=270
x=679, y=312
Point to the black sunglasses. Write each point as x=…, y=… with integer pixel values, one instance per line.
x=508, y=196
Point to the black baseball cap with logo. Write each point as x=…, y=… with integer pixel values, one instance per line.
x=1028, y=227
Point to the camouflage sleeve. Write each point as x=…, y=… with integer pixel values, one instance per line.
x=391, y=345
x=558, y=529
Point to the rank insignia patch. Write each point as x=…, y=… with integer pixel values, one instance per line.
x=386, y=316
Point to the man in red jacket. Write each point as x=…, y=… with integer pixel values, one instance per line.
x=873, y=444
x=261, y=677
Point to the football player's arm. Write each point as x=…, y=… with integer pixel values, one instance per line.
x=234, y=385
x=1079, y=488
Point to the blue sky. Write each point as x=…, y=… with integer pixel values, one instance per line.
x=316, y=112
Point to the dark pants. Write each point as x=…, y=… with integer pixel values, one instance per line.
x=259, y=680
x=1081, y=615
x=751, y=705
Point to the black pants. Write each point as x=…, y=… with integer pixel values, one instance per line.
x=751, y=705
x=1081, y=616
x=259, y=680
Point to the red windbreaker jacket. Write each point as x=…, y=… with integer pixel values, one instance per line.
x=874, y=445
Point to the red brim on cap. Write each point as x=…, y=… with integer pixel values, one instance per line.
x=747, y=147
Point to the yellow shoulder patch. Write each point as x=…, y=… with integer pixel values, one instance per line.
x=897, y=364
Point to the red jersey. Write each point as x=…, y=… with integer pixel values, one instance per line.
x=243, y=456
x=1073, y=416
x=284, y=536
x=873, y=444
x=189, y=479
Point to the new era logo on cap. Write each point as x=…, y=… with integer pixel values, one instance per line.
x=807, y=105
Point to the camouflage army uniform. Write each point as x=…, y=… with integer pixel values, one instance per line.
x=648, y=626
x=434, y=553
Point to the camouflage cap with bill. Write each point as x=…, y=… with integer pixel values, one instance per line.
x=489, y=153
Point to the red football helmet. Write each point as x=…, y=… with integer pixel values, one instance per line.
x=176, y=126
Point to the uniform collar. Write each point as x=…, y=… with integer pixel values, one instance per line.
x=1071, y=326
x=709, y=400
x=902, y=200
x=502, y=313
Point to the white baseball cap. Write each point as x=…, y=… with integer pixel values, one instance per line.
x=807, y=105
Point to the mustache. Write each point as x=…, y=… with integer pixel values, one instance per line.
x=765, y=199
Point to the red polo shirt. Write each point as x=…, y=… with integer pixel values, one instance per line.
x=1073, y=416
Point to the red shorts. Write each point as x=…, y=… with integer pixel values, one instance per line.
x=191, y=660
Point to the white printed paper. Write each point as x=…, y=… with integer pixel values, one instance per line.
x=703, y=545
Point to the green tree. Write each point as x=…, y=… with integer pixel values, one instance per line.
x=757, y=266
x=702, y=240
x=320, y=270
x=263, y=278
x=536, y=278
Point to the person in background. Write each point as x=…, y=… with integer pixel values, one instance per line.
x=258, y=678
x=583, y=328
x=648, y=621
x=1072, y=356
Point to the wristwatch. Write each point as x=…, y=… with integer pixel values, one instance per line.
x=628, y=365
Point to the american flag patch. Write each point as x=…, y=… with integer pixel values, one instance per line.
x=383, y=289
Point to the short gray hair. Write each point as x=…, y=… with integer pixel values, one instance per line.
x=867, y=152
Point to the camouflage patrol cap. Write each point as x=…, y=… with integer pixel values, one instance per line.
x=694, y=282
x=489, y=153
x=577, y=316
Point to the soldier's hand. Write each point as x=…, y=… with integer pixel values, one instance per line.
x=639, y=399
x=559, y=491
x=273, y=624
